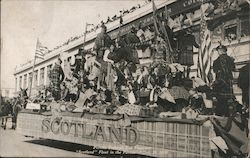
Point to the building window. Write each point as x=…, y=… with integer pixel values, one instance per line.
x=36, y=78
x=49, y=68
x=231, y=32
x=245, y=28
x=42, y=76
x=30, y=79
x=25, y=81
x=20, y=82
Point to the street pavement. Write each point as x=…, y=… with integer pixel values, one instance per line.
x=13, y=144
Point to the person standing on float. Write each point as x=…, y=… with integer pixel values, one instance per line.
x=56, y=77
x=223, y=67
x=186, y=41
x=102, y=43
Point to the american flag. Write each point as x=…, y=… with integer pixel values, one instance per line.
x=205, y=52
x=40, y=50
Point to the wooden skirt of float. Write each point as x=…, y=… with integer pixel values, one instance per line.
x=134, y=135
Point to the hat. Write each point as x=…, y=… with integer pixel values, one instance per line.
x=221, y=47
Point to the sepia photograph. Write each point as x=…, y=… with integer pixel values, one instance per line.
x=125, y=78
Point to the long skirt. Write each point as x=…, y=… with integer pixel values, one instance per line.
x=186, y=58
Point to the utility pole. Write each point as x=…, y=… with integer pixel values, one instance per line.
x=1, y=49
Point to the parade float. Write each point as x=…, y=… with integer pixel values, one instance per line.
x=186, y=133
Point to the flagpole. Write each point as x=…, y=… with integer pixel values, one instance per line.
x=169, y=44
x=85, y=34
x=33, y=68
x=1, y=50
x=154, y=17
x=166, y=38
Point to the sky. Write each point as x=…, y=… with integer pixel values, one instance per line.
x=52, y=21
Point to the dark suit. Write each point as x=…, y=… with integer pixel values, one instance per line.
x=223, y=86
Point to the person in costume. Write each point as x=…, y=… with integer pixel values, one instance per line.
x=223, y=67
x=186, y=41
x=56, y=77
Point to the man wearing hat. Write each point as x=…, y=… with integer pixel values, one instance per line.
x=224, y=64
x=56, y=77
x=223, y=67
x=79, y=65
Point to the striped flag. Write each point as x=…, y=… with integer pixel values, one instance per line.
x=205, y=52
x=40, y=50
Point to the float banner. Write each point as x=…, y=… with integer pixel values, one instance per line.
x=135, y=136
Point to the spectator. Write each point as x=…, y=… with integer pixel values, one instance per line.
x=108, y=20
x=6, y=110
x=114, y=17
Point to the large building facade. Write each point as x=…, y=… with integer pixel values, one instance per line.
x=230, y=27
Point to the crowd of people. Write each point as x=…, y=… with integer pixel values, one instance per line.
x=9, y=109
